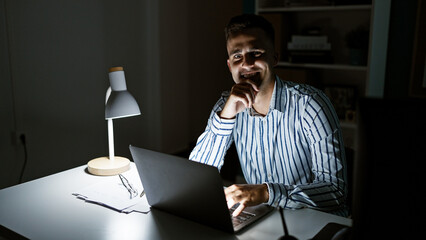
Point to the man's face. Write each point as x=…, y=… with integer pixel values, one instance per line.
x=251, y=56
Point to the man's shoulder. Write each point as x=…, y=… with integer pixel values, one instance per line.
x=221, y=101
x=300, y=89
x=225, y=94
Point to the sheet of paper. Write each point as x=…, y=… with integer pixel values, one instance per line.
x=111, y=192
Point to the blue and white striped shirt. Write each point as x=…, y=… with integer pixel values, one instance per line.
x=296, y=149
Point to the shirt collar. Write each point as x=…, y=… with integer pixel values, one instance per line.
x=274, y=104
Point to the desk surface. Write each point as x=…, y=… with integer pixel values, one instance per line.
x=46, y=209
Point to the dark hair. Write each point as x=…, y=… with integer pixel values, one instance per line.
x=240, y=23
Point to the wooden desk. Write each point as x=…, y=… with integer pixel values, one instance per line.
x=46, y=209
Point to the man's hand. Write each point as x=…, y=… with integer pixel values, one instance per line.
x=242, y=96
x=247, y=195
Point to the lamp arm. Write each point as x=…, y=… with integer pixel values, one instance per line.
x=110, y=139
x=110, y=130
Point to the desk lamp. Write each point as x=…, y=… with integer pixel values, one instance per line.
x=119, y=104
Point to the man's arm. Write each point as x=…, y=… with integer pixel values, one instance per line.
x=212, y=144
x=327, y=191
x=215, y=140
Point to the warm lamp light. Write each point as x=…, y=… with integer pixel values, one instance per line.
x=119, y=104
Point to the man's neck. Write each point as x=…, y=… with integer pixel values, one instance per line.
x=263, y=97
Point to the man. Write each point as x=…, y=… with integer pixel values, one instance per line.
x=287, y=135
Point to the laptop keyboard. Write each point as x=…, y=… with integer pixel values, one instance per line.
x=243, y=217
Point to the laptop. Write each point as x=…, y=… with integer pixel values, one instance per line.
x=190, y=190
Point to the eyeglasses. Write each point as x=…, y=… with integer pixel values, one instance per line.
x=133, y=192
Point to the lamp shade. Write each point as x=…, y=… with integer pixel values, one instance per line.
x=120, y=103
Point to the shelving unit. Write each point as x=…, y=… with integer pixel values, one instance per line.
x=313, y=8
x=335, y=22
x=322, y=66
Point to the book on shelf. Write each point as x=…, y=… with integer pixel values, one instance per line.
x=308, y=39
x=309, y=48
x=343, y=99
x=314, y=56
x=309, y=42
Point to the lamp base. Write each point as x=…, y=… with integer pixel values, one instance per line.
x=104, y=167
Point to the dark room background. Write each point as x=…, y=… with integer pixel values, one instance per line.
x=54, y=61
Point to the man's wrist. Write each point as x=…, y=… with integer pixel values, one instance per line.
x=224, y=116
x=265, y=192
x=222, y=126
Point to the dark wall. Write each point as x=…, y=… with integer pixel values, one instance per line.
x=389, y=187
x=400, y=48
